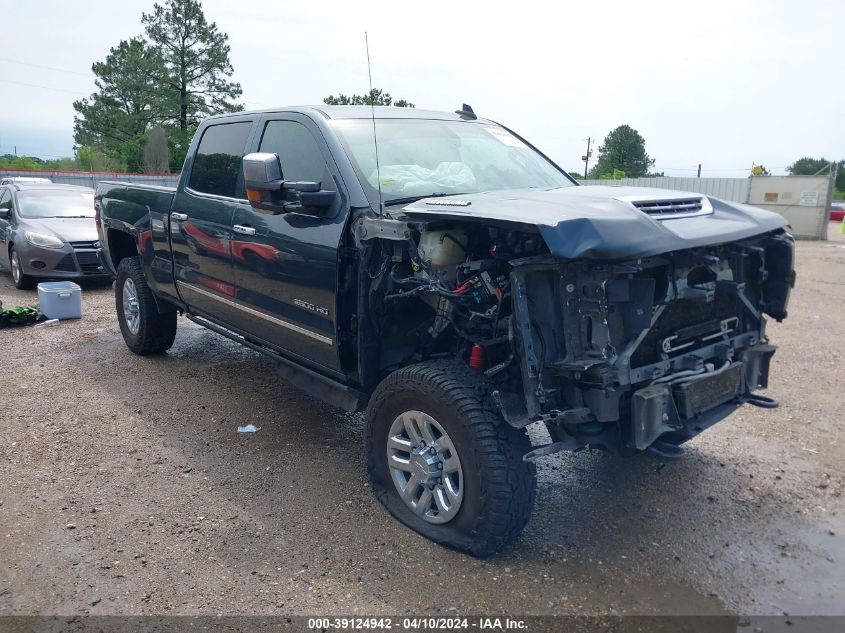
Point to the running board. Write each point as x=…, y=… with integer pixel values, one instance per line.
x=314, y=384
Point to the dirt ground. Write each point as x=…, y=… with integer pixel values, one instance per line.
x=127, y=490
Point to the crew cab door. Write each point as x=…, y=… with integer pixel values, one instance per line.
x=201, y=219
x=286, y=265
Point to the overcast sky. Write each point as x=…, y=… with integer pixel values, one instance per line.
x=724, y=83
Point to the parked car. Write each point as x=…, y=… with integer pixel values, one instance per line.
x=459, y=289
x=24, y=180
x=48, y=230
x=837, y=210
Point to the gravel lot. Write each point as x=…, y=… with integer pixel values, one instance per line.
x=127, y=490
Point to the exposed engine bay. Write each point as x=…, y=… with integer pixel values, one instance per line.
x=619, y=355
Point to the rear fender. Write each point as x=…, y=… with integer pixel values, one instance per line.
x=123, y=244
x=132, y=223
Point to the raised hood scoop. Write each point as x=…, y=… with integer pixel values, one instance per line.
x=604, y=222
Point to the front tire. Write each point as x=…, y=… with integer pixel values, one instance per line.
x=21, y=280
x=145, y=330
x=442, y=460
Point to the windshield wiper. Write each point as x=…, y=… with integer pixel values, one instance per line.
x=410, y=199
x=73, y=216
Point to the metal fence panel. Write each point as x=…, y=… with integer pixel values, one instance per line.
x=803, y=200
x=92, y=179
x=733, y=189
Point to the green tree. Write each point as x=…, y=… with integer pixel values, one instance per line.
x=616, y=174
x=375, y=97
x=623, y=151
x=29, y=163
x=173, y=78
x=126, y=104
x=809, y=166
x=60, y=164
x=156, y=152
x=88, y=158
x=195, y=56
x=178, y=142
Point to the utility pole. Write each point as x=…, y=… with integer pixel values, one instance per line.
x=699, y=171
x=586, y=157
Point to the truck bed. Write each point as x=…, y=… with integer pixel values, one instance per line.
x=140, y=212
x=126, y=200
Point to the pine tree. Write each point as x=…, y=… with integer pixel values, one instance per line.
x=376, y=96
x=196, y=61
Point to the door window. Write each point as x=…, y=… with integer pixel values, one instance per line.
x=217, y=164
x=298, y=152
x=5, y=199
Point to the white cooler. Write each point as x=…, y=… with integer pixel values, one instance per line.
x=60, y=300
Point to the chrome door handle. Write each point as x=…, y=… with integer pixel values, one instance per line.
x=243, y=230
x=179, y=217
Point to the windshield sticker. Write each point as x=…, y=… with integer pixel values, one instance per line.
x=504, y=136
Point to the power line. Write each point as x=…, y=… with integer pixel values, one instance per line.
x=24, y=83
x=85, y=94
x=74, y=72
x=23, y=153
x=59, y=70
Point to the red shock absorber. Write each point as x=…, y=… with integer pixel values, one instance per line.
x=476, y=357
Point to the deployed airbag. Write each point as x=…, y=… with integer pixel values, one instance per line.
x=414, y=180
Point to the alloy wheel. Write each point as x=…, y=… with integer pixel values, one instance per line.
x=131, y=308
x=425, y=467
x=16, y=268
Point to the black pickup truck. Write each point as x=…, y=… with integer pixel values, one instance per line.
x=440, y=272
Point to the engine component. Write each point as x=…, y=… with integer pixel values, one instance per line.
x=476, y=357
x=442, y=249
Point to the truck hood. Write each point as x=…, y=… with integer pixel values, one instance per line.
x=66, y=229
x=602, y=222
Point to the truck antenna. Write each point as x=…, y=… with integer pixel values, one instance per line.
x=373, y=116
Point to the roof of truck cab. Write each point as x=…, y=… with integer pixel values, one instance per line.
x=357, y=112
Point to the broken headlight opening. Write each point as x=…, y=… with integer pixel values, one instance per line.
x=623, y=356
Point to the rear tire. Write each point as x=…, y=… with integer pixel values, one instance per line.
x=145, y=330
x=495, y=493
x=22, y=281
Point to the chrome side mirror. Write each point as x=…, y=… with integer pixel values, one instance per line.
x=262, y=169
x=265, y=187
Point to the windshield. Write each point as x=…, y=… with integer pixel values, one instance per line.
x=421, y=157
x=55, y=204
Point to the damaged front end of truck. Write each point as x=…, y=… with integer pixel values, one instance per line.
x=622, y=355
x=626, y=337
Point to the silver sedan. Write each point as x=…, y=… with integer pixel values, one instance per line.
x=48, y=230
